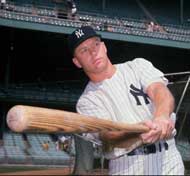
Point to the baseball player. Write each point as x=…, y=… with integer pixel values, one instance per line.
x=132, y=92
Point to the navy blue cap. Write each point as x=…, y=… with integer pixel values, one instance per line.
x=80, y=35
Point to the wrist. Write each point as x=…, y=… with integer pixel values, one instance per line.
x=161, y=117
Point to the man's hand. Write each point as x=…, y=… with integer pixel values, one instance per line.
x=167, y=126
x=160, y=128
x=154, y=133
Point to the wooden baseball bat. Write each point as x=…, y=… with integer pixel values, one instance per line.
x=22, y=118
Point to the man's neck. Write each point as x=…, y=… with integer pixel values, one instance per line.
x=106, y=74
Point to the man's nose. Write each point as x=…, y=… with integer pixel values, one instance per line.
x=93, y=50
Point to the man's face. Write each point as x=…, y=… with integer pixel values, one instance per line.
x=91, y=55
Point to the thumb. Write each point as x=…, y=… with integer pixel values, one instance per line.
x=150, y=124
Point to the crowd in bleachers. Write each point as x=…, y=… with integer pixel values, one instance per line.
x=15, y=149
x=54, y=16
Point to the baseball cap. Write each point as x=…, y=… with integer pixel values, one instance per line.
x=80, y=35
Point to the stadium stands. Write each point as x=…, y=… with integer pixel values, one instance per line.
x=183, y=147
x=132, y=26
x=15, y=155
x=63, y=93
x=181, y=91
x=2, y=154
x=50, y=156
x=15, y=150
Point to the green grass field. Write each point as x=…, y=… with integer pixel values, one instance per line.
x=4, y=169
x=10, y=168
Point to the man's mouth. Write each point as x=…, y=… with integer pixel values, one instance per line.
x=96, y=61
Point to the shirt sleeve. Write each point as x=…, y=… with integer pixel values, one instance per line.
x=91, y=106
x=148, y=74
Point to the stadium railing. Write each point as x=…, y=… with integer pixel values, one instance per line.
x=48, y=157
x=49, y=15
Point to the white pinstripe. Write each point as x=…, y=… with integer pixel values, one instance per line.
x=161, y=163
x=111, y=99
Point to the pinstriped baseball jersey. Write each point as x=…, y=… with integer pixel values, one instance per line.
x=122, y=97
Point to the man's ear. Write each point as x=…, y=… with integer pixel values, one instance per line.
x=76, y=62
x=104, y=47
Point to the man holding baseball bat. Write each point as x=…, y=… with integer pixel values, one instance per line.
x=132, y=92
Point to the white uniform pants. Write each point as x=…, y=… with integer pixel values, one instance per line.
x=166, y=162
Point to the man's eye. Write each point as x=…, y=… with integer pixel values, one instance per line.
x=97, y=43
x=84, y=50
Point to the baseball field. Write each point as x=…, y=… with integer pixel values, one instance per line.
x=33, y=170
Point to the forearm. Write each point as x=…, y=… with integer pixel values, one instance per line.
x=112, y=136
x=162, y=99
x=161, y=125
x=120, y=139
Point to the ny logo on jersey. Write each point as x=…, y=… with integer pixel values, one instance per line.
x=138, y=92
x=79, y=33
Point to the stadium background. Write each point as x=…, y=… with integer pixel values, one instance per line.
x=36, y=67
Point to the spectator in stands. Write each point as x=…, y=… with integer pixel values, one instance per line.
x=71, y=9
x=34, y=8
x=150, y=26
x=57, y=145
x=158, y=28
x=45, y=145
x=107, y=27
x=3, y=4
x=132, y=92
x=64, y=142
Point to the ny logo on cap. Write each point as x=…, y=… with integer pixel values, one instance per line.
x=79, y=33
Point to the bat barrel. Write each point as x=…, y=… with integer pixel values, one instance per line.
x=16, y=120
x=28, y=118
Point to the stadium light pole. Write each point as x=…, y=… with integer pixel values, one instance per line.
x=103, y=5
x=181, y=11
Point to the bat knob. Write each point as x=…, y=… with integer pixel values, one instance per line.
x=15, y=119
